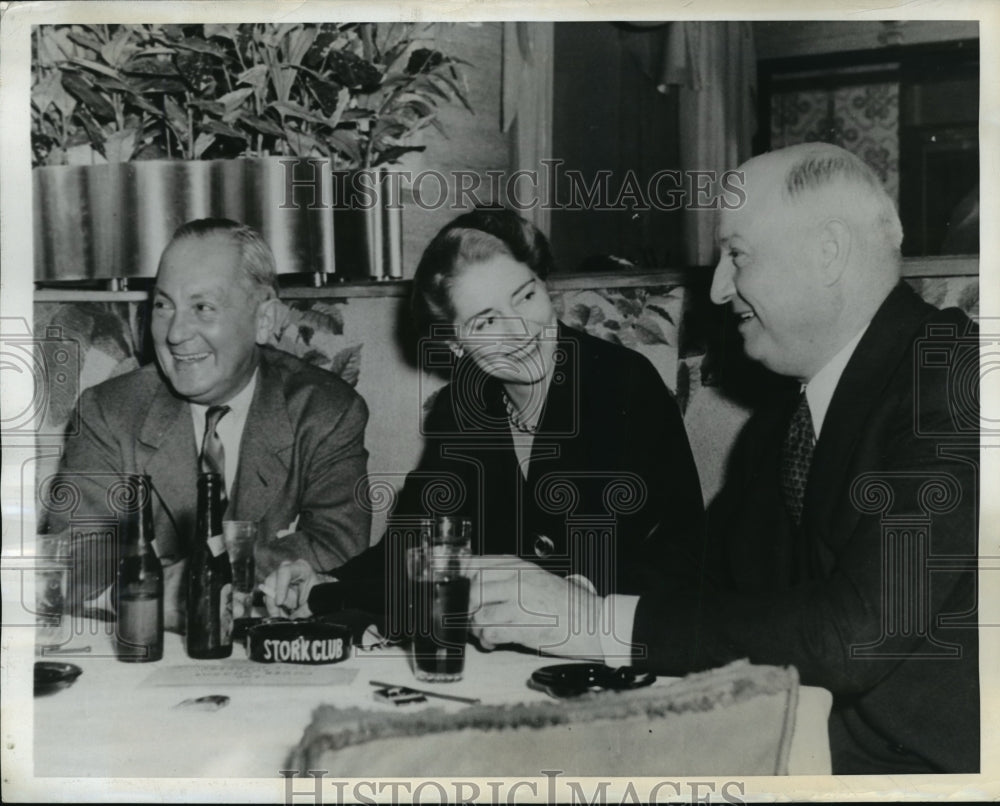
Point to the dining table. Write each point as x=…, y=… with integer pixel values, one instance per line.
x=237, y=718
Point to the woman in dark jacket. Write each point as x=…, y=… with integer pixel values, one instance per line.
x=560, y=447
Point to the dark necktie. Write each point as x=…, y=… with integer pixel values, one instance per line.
x=796, y=456
x=213, y=454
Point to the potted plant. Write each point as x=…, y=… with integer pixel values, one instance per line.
x=149, y=105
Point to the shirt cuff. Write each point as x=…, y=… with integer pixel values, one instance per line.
x=617, y=619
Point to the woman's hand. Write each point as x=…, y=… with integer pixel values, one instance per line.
x=286, y=590
x=516, y=602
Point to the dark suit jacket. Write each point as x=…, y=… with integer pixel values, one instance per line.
x=869, y=598
x=302, y=456
x=611, y=480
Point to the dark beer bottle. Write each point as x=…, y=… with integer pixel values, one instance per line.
x=210, y=578
x=139, y=585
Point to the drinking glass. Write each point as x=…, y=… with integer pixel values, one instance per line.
x=240, y=537
x=439, y=591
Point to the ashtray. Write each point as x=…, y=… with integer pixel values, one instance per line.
x=307, y=641
x=51, y=676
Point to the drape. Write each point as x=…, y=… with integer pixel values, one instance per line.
x=526, y=103
x=713, y=64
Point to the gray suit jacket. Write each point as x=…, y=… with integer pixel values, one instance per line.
x=302, y=461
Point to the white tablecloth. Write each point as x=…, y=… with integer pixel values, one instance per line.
x=112, y=723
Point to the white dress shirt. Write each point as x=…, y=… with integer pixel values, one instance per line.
x=619, y=610
x=229, y=429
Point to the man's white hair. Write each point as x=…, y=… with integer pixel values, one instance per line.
x=822, y=166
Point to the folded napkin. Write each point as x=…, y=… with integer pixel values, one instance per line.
x=736, y=720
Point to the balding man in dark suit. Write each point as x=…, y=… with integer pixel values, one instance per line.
x=845, y=540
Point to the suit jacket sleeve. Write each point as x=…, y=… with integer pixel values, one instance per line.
x=664, y=537
x=93, y=458
x=333, y=524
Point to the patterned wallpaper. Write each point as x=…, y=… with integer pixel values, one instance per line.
x=863, y=119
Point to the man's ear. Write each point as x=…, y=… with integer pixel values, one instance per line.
x=835, y=244
x=267, y=319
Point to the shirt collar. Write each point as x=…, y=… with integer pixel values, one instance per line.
x=238, y=405
x=820, y=389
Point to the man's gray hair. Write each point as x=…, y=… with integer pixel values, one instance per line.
x=256, y=258
x=821, y=165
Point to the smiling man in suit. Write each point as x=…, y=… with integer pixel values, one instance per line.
x=288, y=438
x=844, y=542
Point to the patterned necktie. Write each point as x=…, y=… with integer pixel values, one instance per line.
x=213, y=454
x=796, y=456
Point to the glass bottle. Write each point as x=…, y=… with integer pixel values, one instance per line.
x=210, y=578
x=139, y=583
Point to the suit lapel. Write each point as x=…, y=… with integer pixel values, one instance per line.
x=166, y=451
x=265, y=448
x=861, y=386
x=560, y=415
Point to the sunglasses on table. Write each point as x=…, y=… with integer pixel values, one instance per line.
x=574, y=679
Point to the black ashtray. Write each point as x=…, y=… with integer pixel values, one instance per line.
x=51, y=676
x=310, y=641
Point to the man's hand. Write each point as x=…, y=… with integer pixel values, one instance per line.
x=516, y=602
x=286, y=590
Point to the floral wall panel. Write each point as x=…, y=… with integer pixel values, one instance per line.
x=799, y=117
x=864, y=119
x=644, y=318
x=313, y=330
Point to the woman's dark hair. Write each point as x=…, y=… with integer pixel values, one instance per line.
x=472, y=238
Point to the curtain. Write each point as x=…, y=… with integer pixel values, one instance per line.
x=526, y=103
x=714, y=66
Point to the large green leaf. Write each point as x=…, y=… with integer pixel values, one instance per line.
x=302, y=144
x=209, y=107
x=220, y=128
x=282, y=79
x=201, y=143
x=199, y=45
x=197, y=68
x=453, y=86
x=347, y=143
x=261, y=124
x=296, y=111
x=314, y=57
x=119, y=146
x=86, y=40
x=92, y=65
x=150, y=66
x=298, y=42
x=233, y=100
x=116, y=51
x=392, y=153
x=176, y=118
x=80, y=87
x=224, y=30
x=159, y=86
x=353, y=71
x=94, y=132
x=328, y=93
x=255, y=76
